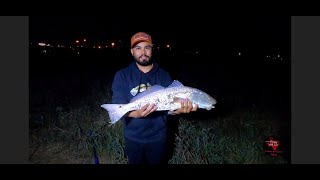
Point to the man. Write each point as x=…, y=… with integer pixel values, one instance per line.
x=145, y=130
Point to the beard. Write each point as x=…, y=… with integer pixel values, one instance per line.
x=145, y=62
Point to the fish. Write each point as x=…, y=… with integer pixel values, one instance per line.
x=165, y=98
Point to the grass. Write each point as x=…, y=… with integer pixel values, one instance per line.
x=237, y=139
x=68, y=134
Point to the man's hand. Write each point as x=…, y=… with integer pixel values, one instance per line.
x=143, y=112
x=186, y=107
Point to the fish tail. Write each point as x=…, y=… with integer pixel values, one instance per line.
x=115, y=111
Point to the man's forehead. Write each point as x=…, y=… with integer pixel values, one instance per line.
x=143, y=44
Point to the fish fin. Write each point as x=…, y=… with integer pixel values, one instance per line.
x=175, y=83
x=210, y=107
x=115, y=111
x=152, y=89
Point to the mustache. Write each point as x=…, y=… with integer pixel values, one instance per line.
x=144, y=55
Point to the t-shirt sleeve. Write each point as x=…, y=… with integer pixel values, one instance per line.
x=118, y=89
x=168, y=79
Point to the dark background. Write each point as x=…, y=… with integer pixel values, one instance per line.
x=305, y=39
x=204, y=53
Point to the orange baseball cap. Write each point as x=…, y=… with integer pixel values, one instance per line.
x=140, y=37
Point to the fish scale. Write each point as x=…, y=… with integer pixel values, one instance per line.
x=166, y=99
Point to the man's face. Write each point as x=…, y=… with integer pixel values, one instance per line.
x=142, y=53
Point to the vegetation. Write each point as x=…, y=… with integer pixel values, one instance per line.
x=69, y=133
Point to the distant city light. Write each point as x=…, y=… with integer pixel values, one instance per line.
x=77, y=41
x=84, y=40
x=239, y=53
x=42, y=44
x=112, y=44
x=168, y=45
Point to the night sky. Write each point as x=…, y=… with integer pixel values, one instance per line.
x=185, y=30
x=219, y=40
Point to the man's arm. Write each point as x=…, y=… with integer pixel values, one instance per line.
x=119, y=89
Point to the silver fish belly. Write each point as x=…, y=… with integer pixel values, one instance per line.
x=164, y=98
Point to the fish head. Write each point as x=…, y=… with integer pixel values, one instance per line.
x=203, y=100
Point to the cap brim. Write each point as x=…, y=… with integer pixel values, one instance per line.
x=139, y=41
